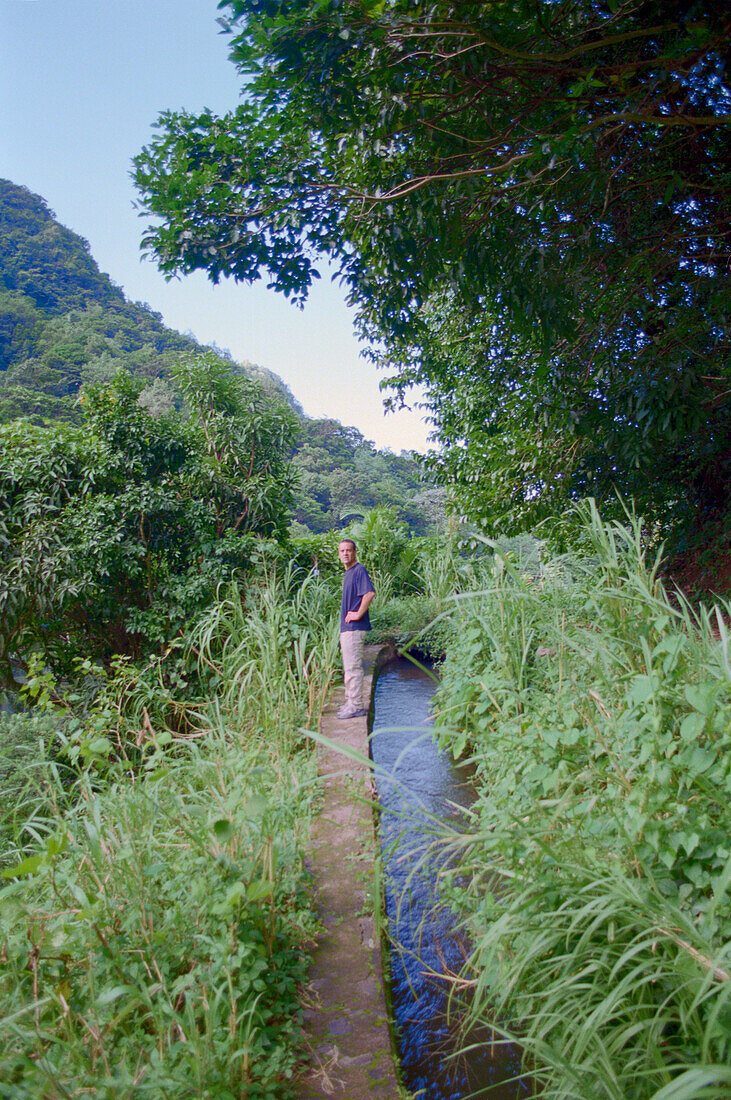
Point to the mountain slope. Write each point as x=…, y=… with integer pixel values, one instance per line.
x=63, y=322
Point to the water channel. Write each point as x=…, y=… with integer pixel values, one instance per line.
x=418, y=785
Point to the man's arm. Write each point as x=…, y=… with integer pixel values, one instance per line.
x=365, y=603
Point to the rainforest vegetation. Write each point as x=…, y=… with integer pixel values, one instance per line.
x=529, y=207
x=65, y=325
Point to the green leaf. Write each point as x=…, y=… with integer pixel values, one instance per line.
x=255, y=808
x=643, y=688
x=27, y=866
x=223, y=829
x=692, y=726
x=702, y=697
x=100, y=746
x=261, y=888
x=234, y=893
x=108, y=996
x=55, y=845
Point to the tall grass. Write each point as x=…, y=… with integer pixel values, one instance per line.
x=598, y=712
x=421, y=620
x=270, y=653
x=150, y=948
x=33, y=781
x=153, y=938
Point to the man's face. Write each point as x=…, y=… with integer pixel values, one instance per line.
x=346, y=553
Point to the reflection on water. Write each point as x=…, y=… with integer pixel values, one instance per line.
x=416, y=784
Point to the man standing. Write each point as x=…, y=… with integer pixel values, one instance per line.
x=358, y=593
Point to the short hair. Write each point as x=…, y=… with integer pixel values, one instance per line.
x=352, y=543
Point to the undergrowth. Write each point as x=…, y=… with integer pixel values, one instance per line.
x=31, y=780
x=595, y=880
x=154, y=927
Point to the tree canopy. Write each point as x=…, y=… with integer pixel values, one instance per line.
x=342, y=473
x=529, y=204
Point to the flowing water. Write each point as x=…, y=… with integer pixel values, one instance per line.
x=417, y=784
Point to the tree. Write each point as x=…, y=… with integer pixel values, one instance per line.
x=113, y=535
x=557, y=172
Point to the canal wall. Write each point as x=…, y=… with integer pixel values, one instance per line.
x=346, y=1018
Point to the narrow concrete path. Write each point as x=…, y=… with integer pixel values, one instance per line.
x=346, y=1023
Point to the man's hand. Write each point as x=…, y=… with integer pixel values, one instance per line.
x=365, y=603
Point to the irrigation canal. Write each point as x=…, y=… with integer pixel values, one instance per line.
x=418, y=786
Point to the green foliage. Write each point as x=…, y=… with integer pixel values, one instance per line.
x=153, y=944
x=242, y=440
x=386, y=550
x=414, y=579
x=529, y=205
x=45, y=262
x=48, y=351
x=620, y=996
x=598, y=713
x=31, y=778
x=83, y=332
x=269, y=651
x=414, y=624
x=64, y=324
x=417, y=615
x=154, y=922
x=396, y=560
x=342, y=473
x=318, y=553
x=114, y=535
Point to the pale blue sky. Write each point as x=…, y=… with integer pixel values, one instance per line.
x=81, y=84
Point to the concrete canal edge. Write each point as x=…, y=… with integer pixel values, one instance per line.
x=346, y=1018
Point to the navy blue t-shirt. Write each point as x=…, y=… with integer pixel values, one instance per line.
x=356, y=583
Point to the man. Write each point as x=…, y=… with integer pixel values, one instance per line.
x=358, y=593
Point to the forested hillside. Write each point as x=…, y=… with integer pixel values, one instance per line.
x=343, y=475
x=64, y=324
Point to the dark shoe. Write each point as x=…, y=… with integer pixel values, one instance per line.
x=350, y=712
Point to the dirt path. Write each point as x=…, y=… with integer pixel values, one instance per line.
x=347, y=1024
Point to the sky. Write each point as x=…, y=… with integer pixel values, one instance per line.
x=81, y=85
